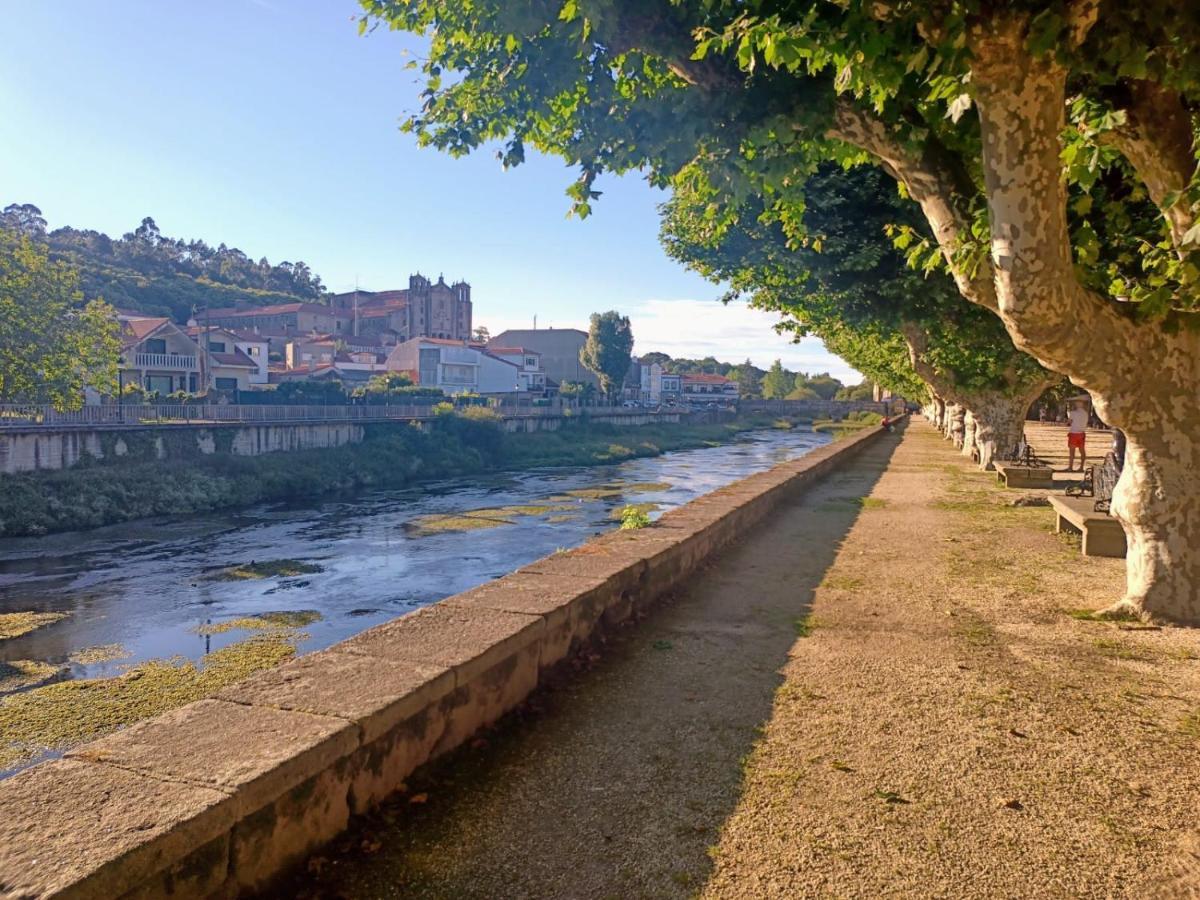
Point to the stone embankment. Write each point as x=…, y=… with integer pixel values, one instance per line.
x=218, y=797
x=39, y=448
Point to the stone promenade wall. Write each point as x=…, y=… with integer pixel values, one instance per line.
x=220, y=796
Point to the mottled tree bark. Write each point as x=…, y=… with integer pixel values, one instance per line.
x=1143, y=378
x=968, y=444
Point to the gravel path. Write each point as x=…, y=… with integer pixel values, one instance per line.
x=878, y=693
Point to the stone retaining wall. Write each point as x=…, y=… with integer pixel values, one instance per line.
x=38, y=449
x=220, y=796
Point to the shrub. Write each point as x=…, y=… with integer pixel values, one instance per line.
x=634, y=517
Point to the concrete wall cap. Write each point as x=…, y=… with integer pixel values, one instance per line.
x=376, y=694
x=81, y=829
x=468, y=641
x=252, y=753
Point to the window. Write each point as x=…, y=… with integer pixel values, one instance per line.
x=225, y=384
x=156, y=345
x=452, y=374
x=216, y=346
x=531, y=362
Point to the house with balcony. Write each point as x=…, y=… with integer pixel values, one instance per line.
x=158, y=355
x=455, y=366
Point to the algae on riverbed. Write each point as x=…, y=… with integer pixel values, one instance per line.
x=22, y=673
x=275, y=568
x=61, y=715
x=476, y=519
x=103, y=653
x=16, y=624
x=269, y=621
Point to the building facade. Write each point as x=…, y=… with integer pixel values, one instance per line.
x=158, y=356
x=559, y=350
x=423, y=309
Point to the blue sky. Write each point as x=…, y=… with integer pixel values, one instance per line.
x=271, y=125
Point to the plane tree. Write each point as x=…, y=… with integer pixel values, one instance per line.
x=847, y=277
x=993, y=117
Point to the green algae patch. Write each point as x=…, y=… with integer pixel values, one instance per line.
x=269, y=621
x=486, y=517
x=22, y=673
x=16, y=624
x=275, y=568
x=614, y=490
x=423, y=526
x=62, y=715
x=528, y=509
x=99, y=654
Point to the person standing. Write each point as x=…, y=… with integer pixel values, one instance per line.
x=1077, y=423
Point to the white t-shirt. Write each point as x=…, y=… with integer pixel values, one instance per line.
x=1078, y=419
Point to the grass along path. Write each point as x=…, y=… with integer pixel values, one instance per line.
x=881, y=692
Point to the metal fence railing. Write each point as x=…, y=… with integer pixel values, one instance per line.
x=26, y=416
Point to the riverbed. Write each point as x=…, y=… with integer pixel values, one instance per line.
x=180, y=589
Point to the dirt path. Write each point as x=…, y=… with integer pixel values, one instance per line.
x=877, y=693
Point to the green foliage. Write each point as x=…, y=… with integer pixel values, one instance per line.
x=53, y=345
x=394, y=387
x=777, y=383
x=857, y=292
x=634, y=517
x=864, y=391
x=608, y=349
x=750, y=98
x=310, y=393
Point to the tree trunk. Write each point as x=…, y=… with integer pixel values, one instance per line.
x=968, y=444
x=1155, y=500
x=956, y=416
x=1142, y=376
x=999, y=427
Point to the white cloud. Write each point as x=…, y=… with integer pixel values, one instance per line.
x=698, y=328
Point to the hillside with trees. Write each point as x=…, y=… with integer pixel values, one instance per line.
x=147, y=271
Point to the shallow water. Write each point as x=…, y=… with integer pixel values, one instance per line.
x=147, y=586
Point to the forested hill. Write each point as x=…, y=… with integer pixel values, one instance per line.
x=149, y=272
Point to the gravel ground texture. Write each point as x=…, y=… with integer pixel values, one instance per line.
x=891, y=689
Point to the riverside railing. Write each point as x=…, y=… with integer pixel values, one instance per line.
x=150, y=414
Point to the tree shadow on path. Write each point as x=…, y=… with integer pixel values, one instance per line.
x=616, y=783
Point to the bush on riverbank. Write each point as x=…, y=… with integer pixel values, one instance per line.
x=391, y=456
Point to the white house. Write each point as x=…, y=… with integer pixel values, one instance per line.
x=238, y=358
x=455, y=367
x=529, y=362
x=157, y=355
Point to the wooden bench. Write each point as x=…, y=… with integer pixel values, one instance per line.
x=1102, y=534
x=1014, y=475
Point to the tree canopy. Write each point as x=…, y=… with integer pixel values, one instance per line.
x=53, y=344
x=608, y=350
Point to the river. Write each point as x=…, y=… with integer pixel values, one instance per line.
x=153, y=589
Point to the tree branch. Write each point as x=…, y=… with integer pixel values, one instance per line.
x=929, y=177
x=1157, y=140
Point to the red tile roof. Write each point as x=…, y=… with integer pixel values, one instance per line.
x=134, y=330
x=277, y=309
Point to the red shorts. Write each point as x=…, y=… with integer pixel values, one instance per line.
x=1075, y=440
